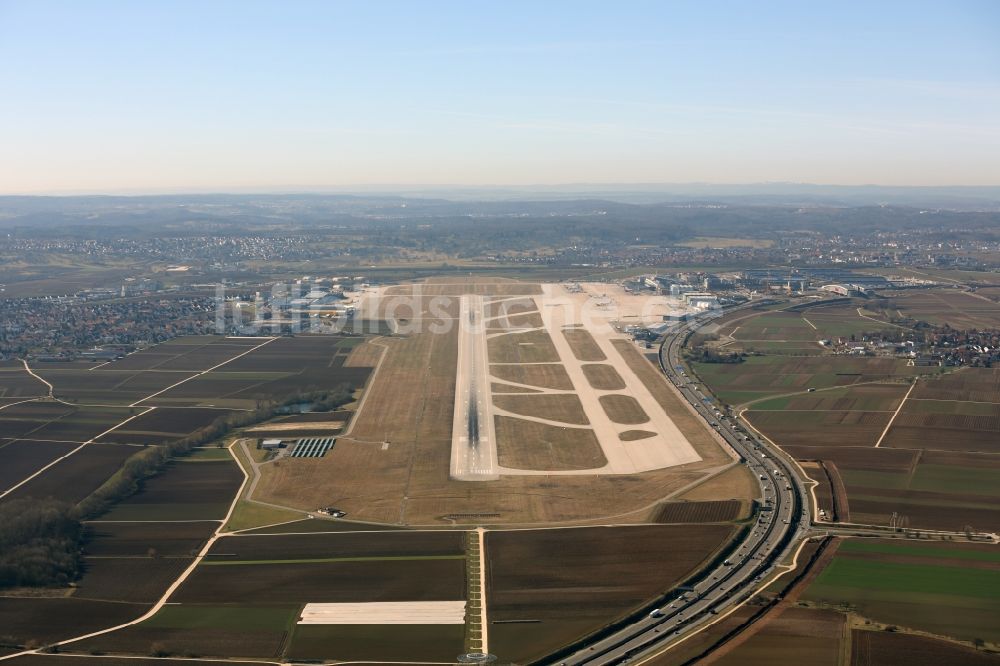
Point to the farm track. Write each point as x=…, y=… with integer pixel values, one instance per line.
x=51, y=395
x=170, y=590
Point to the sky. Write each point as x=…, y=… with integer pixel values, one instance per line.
x=175, y=96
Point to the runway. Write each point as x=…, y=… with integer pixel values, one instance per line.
x=473, y=440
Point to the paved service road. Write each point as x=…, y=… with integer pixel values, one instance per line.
x=778, y=526
x=473, y=438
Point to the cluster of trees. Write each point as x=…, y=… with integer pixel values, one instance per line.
x=41, y=540
x=701, y=348
x=39, y=543
x=706, y=355
x=320, y=400
x=152, y=460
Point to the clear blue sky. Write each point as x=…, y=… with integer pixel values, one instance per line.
x=174, y=96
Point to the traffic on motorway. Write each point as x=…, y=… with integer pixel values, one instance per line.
x=750, y=563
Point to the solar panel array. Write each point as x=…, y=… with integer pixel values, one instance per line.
x=312, y=447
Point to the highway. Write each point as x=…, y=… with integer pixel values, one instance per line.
x=473, y=444
x=748, y=566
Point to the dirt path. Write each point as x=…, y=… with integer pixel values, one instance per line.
x=787, y=599
x=365, y=392
x=893, y=419
x=70, y=453
x=884, y=323
x=148, y=409
x=170, y=590
x=27, y=368
x=203, y=372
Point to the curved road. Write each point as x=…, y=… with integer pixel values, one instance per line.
x=750, y=563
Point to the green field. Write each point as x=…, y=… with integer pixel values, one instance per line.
x=873, y=579
x=264, y=618
x=247, y=515
x=864, y=478
x=764, y=376
x=361, y=642
x=955, y=479
x=947, y=590
x=950, y=479
x=916, y=550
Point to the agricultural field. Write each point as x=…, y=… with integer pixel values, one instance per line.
x=146, y=539
x=949, y=589
x=934, y=466
x=188, y=489
x=917, y=489
x=807, y=428
x=359, y=642
x=773, y=327
x=41, y=620
x=17, y=384
x=395, y=578
x=126, y=566
x=546, y=588
x=99, y=437
x=22, y=458
x=73, y=478
x=210, y=371
x=340, y=546
x=246, y=597
x=870, y=648
x=957, y=309
x=955, y=412
x=841, y=321
x=280, y=368
x=798, y=332
x=259, y=631
x=797, y=635
x=74, y=660
x=48, y=420
x=163, y=424
x=772, y=376
x=967, y=385
x=712, y=511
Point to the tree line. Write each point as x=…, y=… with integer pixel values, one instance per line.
x=41, y=541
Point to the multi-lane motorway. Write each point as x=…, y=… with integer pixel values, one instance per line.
x=778, y=526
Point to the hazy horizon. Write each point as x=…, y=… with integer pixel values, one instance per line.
x=115, y=97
